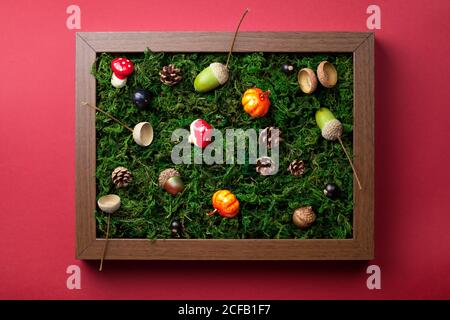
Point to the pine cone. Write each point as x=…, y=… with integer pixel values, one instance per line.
x=265, y=166
x=297, y=168
x=269, y=137
x=121, y=177
x=170, y=75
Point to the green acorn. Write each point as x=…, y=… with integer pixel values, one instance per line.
x=211, y=77
x=331, y=130
x=330, y=126
x=216, y=74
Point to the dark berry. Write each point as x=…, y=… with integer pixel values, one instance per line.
x=331, y=190
x=176, y=227
x=287, y=68
x=141, y=98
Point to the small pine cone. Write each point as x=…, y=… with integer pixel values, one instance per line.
x=265, y=166
x=270, y=136
x=166, y=175
x=170, y=75
x=121, y=177
x=297, y=168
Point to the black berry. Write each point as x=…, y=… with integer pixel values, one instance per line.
x=331, y=190
x=141, y=98
x=287, y=68
x=176, y=227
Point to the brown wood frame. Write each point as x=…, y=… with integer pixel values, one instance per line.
x=360, y=247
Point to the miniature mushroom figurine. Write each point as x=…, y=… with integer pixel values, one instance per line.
x=201, y=133
x=122, y=68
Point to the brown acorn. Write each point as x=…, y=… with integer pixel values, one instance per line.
x=304, y=217
x=170, y=181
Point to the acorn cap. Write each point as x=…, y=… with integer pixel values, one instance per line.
x=307, y=80
x=304, y=217
x=327, y=74
x=109, y=203
x=220, y=72
x=166, y=175
x=143, y=134
x=332, y=130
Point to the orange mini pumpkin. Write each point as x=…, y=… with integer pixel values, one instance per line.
x=225, y=203
x=256, y=102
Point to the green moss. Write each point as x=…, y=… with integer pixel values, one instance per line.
x=267, y=203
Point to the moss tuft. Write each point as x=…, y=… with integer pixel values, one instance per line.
x=267, y=203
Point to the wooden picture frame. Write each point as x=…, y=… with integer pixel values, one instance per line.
x=360, y=247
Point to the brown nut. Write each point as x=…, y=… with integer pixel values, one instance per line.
x=304, y=217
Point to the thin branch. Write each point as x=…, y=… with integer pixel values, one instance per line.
x=108, y=115
x=106, y=243
x=351, y=163
x=235, y=35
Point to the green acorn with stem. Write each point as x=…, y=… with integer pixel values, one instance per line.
x=216, y=74
x=332, y=130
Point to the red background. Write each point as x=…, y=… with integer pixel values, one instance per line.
x=37, y=130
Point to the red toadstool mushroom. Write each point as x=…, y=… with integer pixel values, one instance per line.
x=201, y=133
x=122, y=68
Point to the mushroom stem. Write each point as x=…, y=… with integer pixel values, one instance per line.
x=351, y=163
x=108, y=115
x=106, y=242
x=212, y=213
x=235, y=35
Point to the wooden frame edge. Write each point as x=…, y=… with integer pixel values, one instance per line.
x=85, y=145
x=219, y=41
x=360, y=247
x=364, y=145
x=225, y=249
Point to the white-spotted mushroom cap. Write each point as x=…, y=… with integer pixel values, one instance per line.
x=122, y=67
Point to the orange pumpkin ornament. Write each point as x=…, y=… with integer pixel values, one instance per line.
x=256, y=102
x=225, y=203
